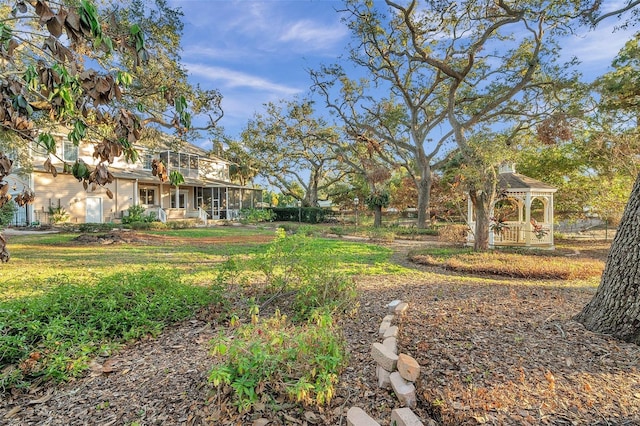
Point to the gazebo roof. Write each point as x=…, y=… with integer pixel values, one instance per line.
x=509, y=180
x=518, y=182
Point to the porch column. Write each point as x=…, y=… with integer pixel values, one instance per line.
x=176, y=197
x=136, y=193
x=226, y=198
x=161, y=188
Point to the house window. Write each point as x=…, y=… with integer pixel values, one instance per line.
x=147, y=196
x=69, y=151
x=181, y=200
x=147, y=159
x=38, y=150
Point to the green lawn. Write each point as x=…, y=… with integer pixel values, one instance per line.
x=62, y=301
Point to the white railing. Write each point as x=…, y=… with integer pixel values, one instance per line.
x=162, y=215
x=515, y=233
x=202, y=215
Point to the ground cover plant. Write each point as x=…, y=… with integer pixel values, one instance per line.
x=54, y=335
x=84, y=298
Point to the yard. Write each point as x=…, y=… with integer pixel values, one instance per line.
x=494, y=349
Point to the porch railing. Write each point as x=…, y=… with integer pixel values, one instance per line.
x=202, y=215
x=162, y=215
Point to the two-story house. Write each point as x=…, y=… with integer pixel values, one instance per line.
x=206, y=194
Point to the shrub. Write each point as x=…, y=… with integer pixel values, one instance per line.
x=58, y=215
x=137, y=214
x=6, y=213
x=138, y=226
x=181, y=224
x=300, y=214
x=291, y=263
x=256, y=215
x=456, y=234
x=272, y=358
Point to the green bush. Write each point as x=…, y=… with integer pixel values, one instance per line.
x=58, y=215
x=6, y=213
x=181, y=224
x=52, y=336
x=256, y=215
x=138, y=226
x=300, y=214
x=272, y=358
x=137, y=214
x=292, y=263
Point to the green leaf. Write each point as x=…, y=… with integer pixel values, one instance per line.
x=47, y=141
x=176, y=178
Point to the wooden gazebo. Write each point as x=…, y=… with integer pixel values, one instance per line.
x=522, y=214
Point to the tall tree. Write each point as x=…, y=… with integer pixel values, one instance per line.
x=399, y=103
x=444, y=70
x=289, y=145
x=615, y=308
x=106, y=76
x=363, y=156
x=495, y=61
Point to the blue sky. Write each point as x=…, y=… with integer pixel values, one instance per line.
x=255, y=52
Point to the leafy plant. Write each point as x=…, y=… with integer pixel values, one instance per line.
x=272, y=357
x=498, y=225
x=7, y=211
x=378, y=199
x=136, y=213
x=256, y=215
x=52, y=336
x=293, y=263
x=58, y=215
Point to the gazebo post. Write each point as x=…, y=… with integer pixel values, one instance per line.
x=549, y=219
x=527, y=219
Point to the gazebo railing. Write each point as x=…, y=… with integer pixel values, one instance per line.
x=516, y=233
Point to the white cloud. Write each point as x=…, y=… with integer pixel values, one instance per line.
x=313, y=36
x=236, y=79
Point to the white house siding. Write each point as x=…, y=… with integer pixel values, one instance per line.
x=71, y=196
x=123, y=197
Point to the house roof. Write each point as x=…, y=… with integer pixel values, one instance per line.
x=512, y=181
x=145, y=176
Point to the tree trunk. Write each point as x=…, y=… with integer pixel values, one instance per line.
x=424, y=193
x=482, y=206
x=615, y=308
x=377, y=216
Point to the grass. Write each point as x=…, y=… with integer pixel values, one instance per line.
x=62, y=302
x=52, y=335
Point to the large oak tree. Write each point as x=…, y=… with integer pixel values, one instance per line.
x=290, y=147
x=441, y=72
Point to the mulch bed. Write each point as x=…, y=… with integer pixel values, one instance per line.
x=493, y=351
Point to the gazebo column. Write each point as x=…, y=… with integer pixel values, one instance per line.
x=549, y=220
x=527, y=219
